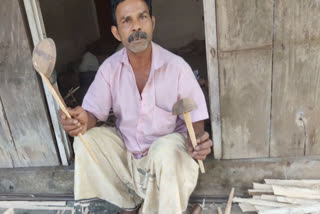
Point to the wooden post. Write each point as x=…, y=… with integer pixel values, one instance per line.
x=213, y=74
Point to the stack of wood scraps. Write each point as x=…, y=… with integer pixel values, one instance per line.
x=282, y=197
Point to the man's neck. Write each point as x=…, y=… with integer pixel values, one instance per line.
x=140, y=60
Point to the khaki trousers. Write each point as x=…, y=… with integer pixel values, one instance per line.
x=163, y=180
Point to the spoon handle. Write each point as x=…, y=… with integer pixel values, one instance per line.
x=64, y=109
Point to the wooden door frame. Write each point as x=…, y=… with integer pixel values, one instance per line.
x=209, y=8
x=38, y=33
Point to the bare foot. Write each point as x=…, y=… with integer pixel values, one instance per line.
x=196, y=209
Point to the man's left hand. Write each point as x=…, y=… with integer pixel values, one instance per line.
x=202, y=149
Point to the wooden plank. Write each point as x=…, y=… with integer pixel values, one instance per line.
x=295, y=183
x=269, y=197
x=260, y=202
x=262, y=208
x=247, y=207
x=259, y=191
x=244, y=24
x=221, y=176
x=296, y=98
x=245, y=81
x=21, y=95
x=35, y=181
x=296, y=201
x=229, y=203
x=258, y=197
x=262, y=186
x=33, y=203
x=29, y=207
x=38, y=33
x=8, y=154
x=9, y=211
x=296, y=192
x=245, y=65
x=213, y=74
x=293, y=210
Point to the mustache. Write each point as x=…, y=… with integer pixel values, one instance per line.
x=137, y=35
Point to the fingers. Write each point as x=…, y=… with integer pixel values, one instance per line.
x=202, y=152
x=204, y=145
x=203, y=148
x=203, y=137
x=200, y=157
x=71, y=125
x=75, y=111
x=189, y=146
x=62, y=115
x=75, y=132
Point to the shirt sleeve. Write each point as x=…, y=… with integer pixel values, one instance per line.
x=190, y=88
x=98, y=100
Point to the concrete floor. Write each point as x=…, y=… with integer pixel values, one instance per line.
x=104, y=208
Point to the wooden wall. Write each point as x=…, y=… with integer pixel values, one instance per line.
x=245, y=66
x=25, y=135
x=269, y=64
x=295, y=126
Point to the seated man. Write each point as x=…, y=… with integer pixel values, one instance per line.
x=148, y=157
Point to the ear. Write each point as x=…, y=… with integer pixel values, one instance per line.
x=153, y=22
x=115, y=33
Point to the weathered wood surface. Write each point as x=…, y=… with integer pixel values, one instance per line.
x=213, y=74
x=245, y=79
x=296, y=74
x=297, y=183
x=21, y=95
x=8, y=153
x=244, y=24
x=216, y=183
x=245, y=68
x=222, y=175
x=36, y=25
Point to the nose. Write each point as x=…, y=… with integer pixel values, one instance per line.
x=136, y=26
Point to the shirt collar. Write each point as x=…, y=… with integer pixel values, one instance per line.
x=157, y=59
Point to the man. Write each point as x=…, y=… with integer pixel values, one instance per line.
x=148, y=157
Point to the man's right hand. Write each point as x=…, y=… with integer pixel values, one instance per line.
x=77, y=124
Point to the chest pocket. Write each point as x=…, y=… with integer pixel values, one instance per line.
x=163, y=122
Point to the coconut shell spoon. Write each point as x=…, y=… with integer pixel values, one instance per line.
x=44, y=59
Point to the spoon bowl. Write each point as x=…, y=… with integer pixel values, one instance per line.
x=44, y=57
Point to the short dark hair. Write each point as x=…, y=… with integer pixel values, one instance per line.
x=114, y=5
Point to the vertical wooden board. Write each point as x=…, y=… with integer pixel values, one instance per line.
x=244, y=24
x=7, y=159
x=296, y=101
x=245, y=79
x=20, y=93
x=209, y=7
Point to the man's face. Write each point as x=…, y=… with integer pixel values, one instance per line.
x=135, y=26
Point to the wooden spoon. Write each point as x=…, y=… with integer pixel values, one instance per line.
x=44, y=59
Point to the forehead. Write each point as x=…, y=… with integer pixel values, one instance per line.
x=131, y=7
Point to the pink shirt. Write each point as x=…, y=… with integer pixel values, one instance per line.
x=143, y=119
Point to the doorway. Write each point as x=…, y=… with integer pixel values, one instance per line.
x=79, y=27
